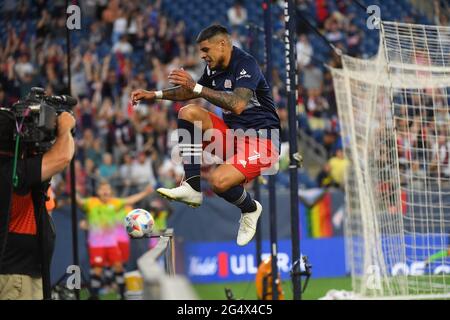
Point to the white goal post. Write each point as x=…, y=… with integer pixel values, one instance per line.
x=395, y=124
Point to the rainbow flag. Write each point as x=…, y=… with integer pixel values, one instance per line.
x=318, y=218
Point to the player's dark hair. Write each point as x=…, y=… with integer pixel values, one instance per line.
x=211, y=31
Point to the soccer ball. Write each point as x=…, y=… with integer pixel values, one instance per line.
x=139, y=223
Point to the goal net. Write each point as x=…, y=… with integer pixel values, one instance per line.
x=395, y=125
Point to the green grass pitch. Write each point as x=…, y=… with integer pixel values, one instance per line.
x=316, y=289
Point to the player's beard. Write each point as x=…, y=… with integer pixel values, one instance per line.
x=219, y=64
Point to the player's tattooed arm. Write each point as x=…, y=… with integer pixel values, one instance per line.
x=234, y=102
x=178, y=93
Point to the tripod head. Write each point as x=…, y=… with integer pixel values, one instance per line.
x=302, y=267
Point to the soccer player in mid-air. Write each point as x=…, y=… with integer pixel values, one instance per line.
x=233, y=81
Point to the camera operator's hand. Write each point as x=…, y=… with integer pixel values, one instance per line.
x=66, y=122
x=141, y=94
x=61, y=153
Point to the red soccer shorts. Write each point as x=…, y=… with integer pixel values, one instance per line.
x=249, y=154
x=124, y=251
x=104, y=256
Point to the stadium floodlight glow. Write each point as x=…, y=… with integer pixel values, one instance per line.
x=394, y=116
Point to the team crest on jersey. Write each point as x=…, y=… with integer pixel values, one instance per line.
x=228, y=84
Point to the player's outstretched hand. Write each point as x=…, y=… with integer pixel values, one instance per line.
x=149, y=189
x=183, y=78
x=141, y=94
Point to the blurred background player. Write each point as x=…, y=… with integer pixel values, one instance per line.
x=233, y=81
x=104, y=250
x=123, y=239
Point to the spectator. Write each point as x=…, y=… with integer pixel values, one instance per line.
x=87, y=115
x=324, y=179
x=312, y=77
x=92, y=177
x=237, y=14
x=109, y=16
x=142, y=172
x=304, y=51
x=354, y=37
x=96, y=34
x=123, y=46
x=95, y=151
x=126, y=170
x=43, y=25
x=107, y=169
x=322, y=12
x=121, y=135
x=333, y=30
x=303, y=10
x=119, y=27
x=440, y=164
x=317, y=106
x=338, y=165
x=24, y=67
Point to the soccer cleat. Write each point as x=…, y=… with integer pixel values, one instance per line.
x=247, y=227
x=184, y=193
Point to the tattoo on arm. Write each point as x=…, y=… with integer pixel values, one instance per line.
x=234, y=102
x=178, y=93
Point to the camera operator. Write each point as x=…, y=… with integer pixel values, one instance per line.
x=26, y=229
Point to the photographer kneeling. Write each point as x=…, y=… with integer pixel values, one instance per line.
x=26, y=230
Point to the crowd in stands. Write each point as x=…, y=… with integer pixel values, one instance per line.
x=125, y=45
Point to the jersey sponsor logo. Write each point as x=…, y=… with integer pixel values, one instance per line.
x=243, y=74
x=228, y=84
